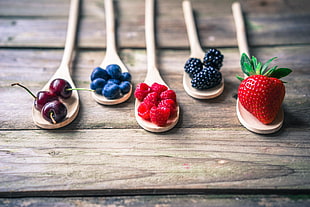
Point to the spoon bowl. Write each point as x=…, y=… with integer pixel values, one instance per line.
x=196, y=52
x=111, y=56
x=71, y=103
x=153, y=75
x=245, y=117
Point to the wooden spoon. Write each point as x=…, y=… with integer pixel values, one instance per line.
x=246, y=118
x=152, y=75
x=196, y=52
x=111, y=56
x=72, y=103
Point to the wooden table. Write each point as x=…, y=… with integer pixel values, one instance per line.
x=105, y=157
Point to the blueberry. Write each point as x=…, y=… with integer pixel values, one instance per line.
x=99, y=73
x=125, y=87
x=111, y=91
x=98, y=91
x=115, y=81
x=126, y=76
x=114, y=71
x=97, y=83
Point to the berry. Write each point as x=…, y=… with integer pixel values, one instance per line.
x=54, y=111
x=61, y=88
x=111, y=91
x=42, y=98
x=125, y=76
x=125, y=87
x=144, y=110
x=115, y=81
x=98, y=83
x=207, y=78
x=213, y=58
x=193, y=66
x=98, y=91
x=171, y=104
x=141, y=91
x=168, y=94
x=152, y=97
x=98, y=72
x=159, y=88
x=262, y=92
x=158, y=104
x=114, y=71
x=159, y=115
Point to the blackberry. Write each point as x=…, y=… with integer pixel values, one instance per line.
x=207, y=78
x=213, y=58
x=193, y=66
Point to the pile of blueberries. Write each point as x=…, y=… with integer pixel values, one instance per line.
x=110, y=82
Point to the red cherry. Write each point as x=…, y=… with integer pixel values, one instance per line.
x=54, y=111
x=42, y=98
x=61, y=88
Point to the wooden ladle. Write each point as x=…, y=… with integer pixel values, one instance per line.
x=152, y=75
x=111, y=56
x=63, y=72
x=196, y=52
x=246, y=118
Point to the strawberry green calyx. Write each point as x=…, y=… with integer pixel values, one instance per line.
x=253, y=67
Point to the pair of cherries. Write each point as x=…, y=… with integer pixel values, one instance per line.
x=48, y=102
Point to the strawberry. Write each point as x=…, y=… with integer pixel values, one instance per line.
x=262, y=92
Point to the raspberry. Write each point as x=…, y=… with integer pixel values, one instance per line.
x=141, y=91
x=156, y=87
x=144, y=110
x=168, y=94
x=169, y=103
x=152, y=97
x=159, y=115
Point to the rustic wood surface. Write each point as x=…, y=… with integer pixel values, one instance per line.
x=105, y=152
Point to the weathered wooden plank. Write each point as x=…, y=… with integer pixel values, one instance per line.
x=106, y=159
x=167, y=201
x=34, y=67
x=94, y=8
x=214, y=30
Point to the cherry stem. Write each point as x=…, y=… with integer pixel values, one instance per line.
x=79, y=89
x=24, y=87
x=52, y=118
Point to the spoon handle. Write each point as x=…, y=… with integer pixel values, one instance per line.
x=152, y=72
x=240, y=29
x=110, y=27
x=196, y=50
x=71, y=34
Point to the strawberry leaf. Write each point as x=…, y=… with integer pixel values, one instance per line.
x=254, y=62
x=245, y=60
x=280, y=73
x=258, y=68
x=249, y=69
x=239, y=78
x=271, y=71
x=265, y=66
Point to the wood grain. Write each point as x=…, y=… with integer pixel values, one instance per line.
x=216, y=28
x=105, y=159
x=105, y=152
x=165, y=200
